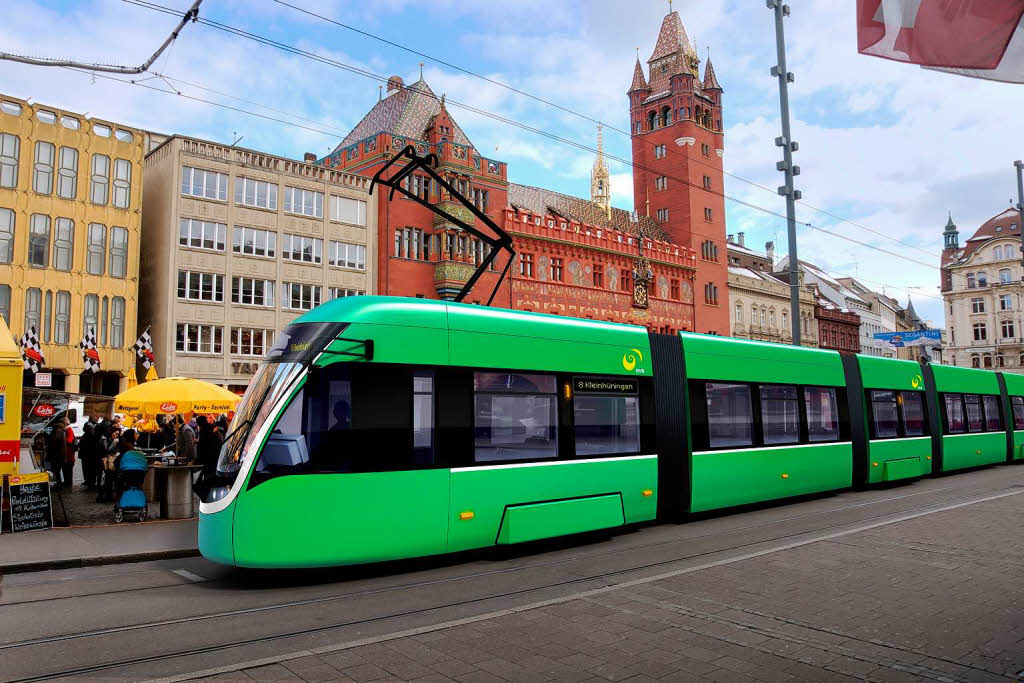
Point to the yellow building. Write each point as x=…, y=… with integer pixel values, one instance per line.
x=70, y=220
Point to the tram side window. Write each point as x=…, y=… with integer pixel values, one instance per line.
x=974, y=421
x=350, y=418
x=993, y=421
x=515, y=417
x=730, y=417
x=822, y=413
x=606, y=422
x=1018, y=411
x=886, y=417
x=913, y=413
x=954, y=413
x=780, y=414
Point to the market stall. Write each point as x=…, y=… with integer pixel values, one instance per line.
x=173, y=396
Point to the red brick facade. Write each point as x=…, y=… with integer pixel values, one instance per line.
x=837, y=330
x=575, y=257
x=678, y=143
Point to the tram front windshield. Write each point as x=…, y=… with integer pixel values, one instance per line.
x=292, y=352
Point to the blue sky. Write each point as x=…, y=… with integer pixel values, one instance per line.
x=888, y=146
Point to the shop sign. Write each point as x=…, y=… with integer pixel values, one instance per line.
x=168, y=407
x=44, y=379
x=3, y=408
x=30, y=502
x=44, y=410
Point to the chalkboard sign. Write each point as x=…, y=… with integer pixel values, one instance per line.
x=30, y=502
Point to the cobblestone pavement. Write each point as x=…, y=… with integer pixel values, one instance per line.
x=934, y=598
x=78, y=506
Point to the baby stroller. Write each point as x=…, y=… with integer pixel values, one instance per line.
x=131, y=471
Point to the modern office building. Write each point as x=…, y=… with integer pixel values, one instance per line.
x=70, y=218
x=237, y=245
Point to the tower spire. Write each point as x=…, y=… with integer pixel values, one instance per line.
x=951, y=236
x=600, y=180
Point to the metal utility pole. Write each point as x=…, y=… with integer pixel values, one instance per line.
x=786, y=165
x=1020, y=206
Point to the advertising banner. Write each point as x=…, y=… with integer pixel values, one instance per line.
x=915, y=338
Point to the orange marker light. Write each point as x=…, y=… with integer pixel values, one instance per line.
x=648, y=492
x=874, y=464
x=785, y=476
x=466, y=514
x=929, y=457
x=978, y=452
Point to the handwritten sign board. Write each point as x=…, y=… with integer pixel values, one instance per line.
x=30, y=502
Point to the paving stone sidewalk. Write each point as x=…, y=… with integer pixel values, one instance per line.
x=935, y=598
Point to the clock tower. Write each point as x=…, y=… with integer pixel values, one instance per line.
x=677, y=145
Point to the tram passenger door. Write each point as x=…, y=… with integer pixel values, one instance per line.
x=368, y=490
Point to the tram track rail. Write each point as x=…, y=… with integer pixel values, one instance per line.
x=419, y=584
x=599, y=577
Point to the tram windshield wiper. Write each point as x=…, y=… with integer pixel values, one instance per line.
x=501, y=239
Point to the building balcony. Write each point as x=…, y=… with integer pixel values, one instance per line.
x=1009, y=340
x=455, y=209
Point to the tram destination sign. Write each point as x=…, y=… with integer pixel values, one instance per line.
x=595, y=385
x=30, y=502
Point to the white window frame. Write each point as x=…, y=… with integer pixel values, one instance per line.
x=348, y=210
x=342, y=292
x=268, y=237
x=193, y=233
x=238, y=347
x=212, y=184
x=213, y=342
x=243, y=291
x=243, y=197
x=303, y=202
x=314, y=298
x=201, y=279
x=315, y=244
x=347, y=255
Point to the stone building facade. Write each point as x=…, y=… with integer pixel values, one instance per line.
x=70, y=217
x=982, y=295
x=238, y=244
x=760, y=301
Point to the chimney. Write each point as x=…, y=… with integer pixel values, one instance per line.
x=728, y=238
x=309, y=158
x=739, y=236
x=395, y=83
x=769, y=251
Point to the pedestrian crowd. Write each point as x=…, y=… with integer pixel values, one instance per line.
x=104, y=441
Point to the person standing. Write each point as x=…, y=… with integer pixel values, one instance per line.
x=57, y=451
x=89, y=454
x=185, y=446
x=69, y=455
x=210, y=440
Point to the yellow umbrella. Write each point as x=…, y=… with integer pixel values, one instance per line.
x=132, y=381
x=151, y=374
x=175, y=396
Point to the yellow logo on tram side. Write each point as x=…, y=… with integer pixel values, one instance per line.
x=631, y=358
x=915, y=381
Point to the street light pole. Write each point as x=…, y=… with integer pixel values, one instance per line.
x=786, y=165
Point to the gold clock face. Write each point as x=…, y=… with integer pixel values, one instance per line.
x=639, y=294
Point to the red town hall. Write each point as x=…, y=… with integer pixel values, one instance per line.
x=575, y=257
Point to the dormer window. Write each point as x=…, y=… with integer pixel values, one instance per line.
x=664, y=68
x=999, y=228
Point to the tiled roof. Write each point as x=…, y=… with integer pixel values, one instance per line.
x=671, y=38
x=540, y=201
x=1008, y=223
x=639, y=82
x=406, y=112
x=710, y=80
x=755, y=274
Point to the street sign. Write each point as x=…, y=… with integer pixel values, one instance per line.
x=44, y=379
x=914, y=338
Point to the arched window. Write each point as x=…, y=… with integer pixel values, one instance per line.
x=970, y=281
x=1004, y=276
x=771, y=317
x=652, y=120
x=764, y=316
x=975, y=361
x=753, y=314
x=997, y=252
x=987, y=360
x=697, y=114
x=666, y=116
x=999, y=360
x=785, y=321
x=707, y=119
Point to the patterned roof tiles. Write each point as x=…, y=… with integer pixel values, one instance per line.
x=539, y=201
x=710, y=80
x=639, y=82
x=671, y=38
x=406, y=112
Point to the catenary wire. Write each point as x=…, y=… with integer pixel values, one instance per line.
x=486, y=114
x=581, y=115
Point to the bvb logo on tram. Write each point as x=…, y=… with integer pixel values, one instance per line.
x=915, y=381
x=631, y=358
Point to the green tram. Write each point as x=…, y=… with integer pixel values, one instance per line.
x=381, y=428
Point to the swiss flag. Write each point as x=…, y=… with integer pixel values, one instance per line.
x=978, y=38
